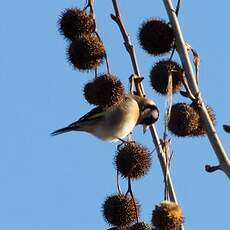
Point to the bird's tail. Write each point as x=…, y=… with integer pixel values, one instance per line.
x=60, y=131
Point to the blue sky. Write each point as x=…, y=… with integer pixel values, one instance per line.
x=56, y=183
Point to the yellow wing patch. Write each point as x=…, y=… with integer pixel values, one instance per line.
x=97, y=115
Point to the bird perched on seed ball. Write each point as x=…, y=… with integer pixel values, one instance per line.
x=116, y=122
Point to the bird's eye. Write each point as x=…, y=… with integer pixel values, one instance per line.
x=149, y=120
x=149, y=115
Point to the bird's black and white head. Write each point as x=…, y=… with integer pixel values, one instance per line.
x=149, y=113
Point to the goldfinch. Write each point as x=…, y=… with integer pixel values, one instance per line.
x=116, y=122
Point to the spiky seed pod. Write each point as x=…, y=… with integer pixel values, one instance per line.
x=167, y=216
x=86, y=52
x=74, y=22
x=132, y=160
x=119, y=210
x=105, y=90
x=140, y=226
x=200, y=131
x=159, y=76
x=183, y=120
x=156, y=36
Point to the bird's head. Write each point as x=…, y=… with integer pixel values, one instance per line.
x=149, y=113
x=148, y=116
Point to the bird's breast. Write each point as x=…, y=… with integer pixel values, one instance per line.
x=119, y=122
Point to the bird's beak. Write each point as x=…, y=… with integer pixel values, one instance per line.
x=145, y=127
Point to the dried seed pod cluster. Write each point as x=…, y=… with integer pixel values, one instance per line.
x=105, y=90
x=74, y=22
x=86, y=50
x=119, y=210
x=159, y=76
x=183, y=120
x=167, y=216
x=132, y=160
x=156, y=36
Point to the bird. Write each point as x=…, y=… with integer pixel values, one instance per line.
x=116, y=122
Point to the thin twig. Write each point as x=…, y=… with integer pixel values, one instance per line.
x=90, y=5
x=211, y=169
x=168, y=103
x=106, y=56
x=188, y=92
x=196, y=61
x=224, y=162
x=177, y=13
x=131, y=84
x=107, y=63
x=166, y=193
x=172, y=53
x=165, y=142
x=140, y=91
x=128, y=45
x=178, y=7
x=129, y=191
x=118, y=184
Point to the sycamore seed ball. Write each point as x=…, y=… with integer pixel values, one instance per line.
x=167, y=216
x=156, y=36
x=105, y=90
x=86, y=52
x=159, y=76
x=75, y=22
x=119, y=210
x=183, y=120
x=132, y=160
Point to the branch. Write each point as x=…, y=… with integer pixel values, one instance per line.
x=90, y=5
x=178, y=7
x=224, y=162
x=140, y=90
x=128, y=45
x=226, y=128
x=130, y=191
x=211, y=169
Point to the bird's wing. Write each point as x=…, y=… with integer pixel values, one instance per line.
x=94, y=114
